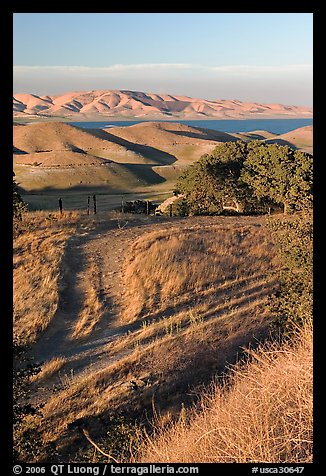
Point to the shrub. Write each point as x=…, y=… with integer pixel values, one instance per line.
x=292, y=303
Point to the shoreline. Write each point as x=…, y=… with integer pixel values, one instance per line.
x=152, y=119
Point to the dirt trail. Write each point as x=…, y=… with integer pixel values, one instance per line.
x=92, y=258
x=95, y=258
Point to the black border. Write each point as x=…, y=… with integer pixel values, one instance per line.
x=7, y=12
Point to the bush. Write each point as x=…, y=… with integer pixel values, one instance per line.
x=122, y=440
x=26, y=441
x=18, y=203
x=292, y=304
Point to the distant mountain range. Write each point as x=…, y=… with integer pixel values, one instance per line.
x=102, y=104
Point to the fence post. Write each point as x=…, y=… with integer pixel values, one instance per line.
x=94, y=203
x=88, y=202
x=147, y=207
x=171, y=210
x=122, y=205
x=60, y=205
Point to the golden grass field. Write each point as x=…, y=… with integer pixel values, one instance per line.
x=129, y=313
x=261, y=413
x=37, y=260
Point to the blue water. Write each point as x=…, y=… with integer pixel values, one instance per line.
x=277, y=126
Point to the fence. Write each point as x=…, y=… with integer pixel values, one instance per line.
x=137, y=206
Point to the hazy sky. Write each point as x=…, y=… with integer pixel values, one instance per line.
x=264, y=57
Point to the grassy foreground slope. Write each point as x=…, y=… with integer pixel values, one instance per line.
x=145, y=309
x=264, y=414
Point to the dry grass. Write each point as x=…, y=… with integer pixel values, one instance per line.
x=195, y=296
x=92, y=310
x=188, y=266
x=49, y=369
x=263, y=414
x=37, y=257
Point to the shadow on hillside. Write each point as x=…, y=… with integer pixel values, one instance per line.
x=18, y=151
x=179, y=389
x=151, y=153
x=281, y=142
x=145, y=172
x=85, y=189
x=257, y=136
x=206, y=134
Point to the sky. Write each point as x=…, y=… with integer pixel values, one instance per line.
x=261, y=57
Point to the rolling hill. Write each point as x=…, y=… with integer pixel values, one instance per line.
x=47, y=136
x=254, y=135
x=301, y=138
x=55, y=154
x=81, y=105
x=168, y=133
x=143, y=158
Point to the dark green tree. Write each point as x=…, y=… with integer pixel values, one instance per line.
x=200, y=188
x=248, y=177
x=279, y=174
x=214, y=183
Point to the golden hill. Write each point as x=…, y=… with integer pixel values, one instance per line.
x=48, y=136
x=186, y=144
x=63, y=158
x=168, y=133
x=57, y=155
x=301, y=138
x=145, y=157
x=254, y=135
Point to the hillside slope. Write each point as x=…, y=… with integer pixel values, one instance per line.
x=142, y=308
x=48, y=136
x=168, y=133
x=58, y=155
x=262, y=414
x=301, y=138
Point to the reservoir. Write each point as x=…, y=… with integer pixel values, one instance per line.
x=277, y=126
